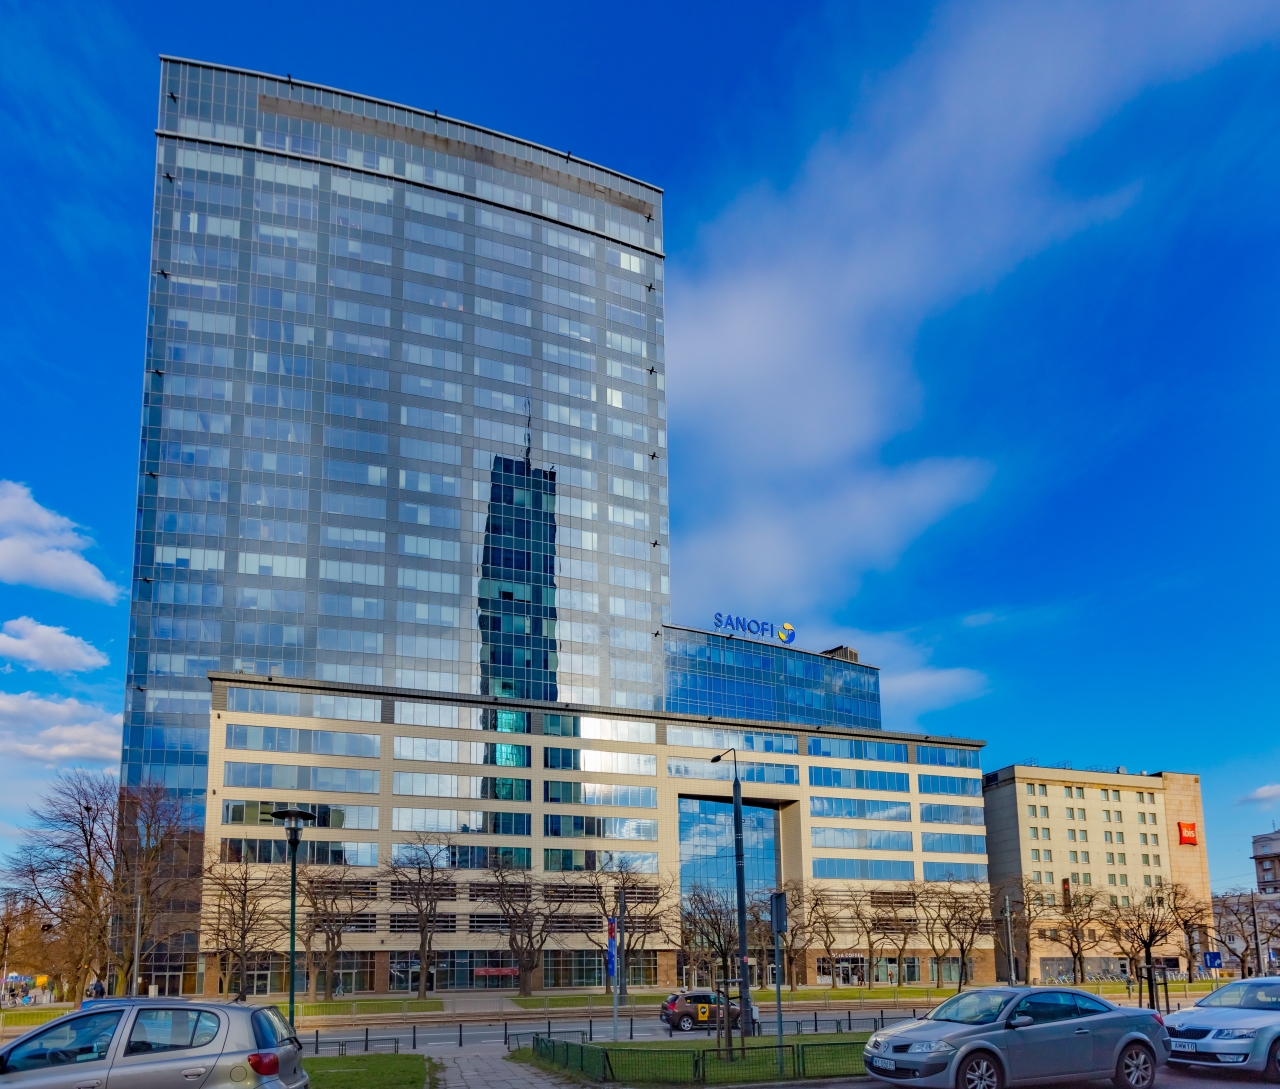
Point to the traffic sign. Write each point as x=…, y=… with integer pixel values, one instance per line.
x=1213, y=960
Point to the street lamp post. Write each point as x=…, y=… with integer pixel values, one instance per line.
x=293, y=818
x=744, y=987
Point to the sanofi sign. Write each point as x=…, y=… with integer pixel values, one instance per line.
x=765, y=629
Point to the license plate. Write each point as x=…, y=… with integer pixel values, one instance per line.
x=1183, y=1045
x=883, y=1064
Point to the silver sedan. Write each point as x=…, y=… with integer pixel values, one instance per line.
x=157, y=1044
x=999, y=1036
x=1236, y=1026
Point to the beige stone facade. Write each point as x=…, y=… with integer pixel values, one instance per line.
x=1100, y=833
x=671, y=768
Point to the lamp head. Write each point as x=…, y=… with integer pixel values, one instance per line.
x=293, y=816
x=716, y=759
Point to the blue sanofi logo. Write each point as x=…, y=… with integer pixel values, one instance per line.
x=763, y=628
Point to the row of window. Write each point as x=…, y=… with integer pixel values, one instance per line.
x=1037, y=877
x=1083, y=856
x=866, y=869
x=1081, y=835
x=1077, y=813
x=1108, y=795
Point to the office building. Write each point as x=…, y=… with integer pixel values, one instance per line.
x=568, y=790
x=1053, y=831
x=1266, y=861
x=403, y=473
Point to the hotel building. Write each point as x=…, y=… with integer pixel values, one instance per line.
x=1101, y=833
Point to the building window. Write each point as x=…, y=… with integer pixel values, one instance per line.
x=1044, y=811
x=1146, y=860
x=1048, y=878
x=1142, y=818
x=1111, y=879
x=1035, y=833
x=1072, y=856
x=1106, y=837
x=1146, y=879
x=572, y=968
x=1124, y=879
x=1084, y=856
x=1106, y=795
x=1048, y=856
x=1119, y=817
x=1071, y=813
x=1119, y=837
x=1151, y=800
x=1035, y=877
x=1044, y=833
x=1106, y=815
x=1031, y=788
x=1043, y=790
x=1088, y=879
x=1155, y=840
x=1071, y=835
x=1121, y=856
x=1035, y=855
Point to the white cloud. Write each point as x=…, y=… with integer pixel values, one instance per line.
x=39, y=547
x=791, y=331
x=1264, y=795
x=56, y=732
x=39, y=646
x=909, y=685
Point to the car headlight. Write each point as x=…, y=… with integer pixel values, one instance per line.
x=929, y=1047
x=1235, y=1034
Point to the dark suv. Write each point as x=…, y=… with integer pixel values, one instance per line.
x=689, y=1010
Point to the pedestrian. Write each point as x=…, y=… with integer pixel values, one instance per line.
x=337, y=988
x=99, y=991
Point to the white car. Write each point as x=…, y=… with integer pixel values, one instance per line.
x=1237, y=1025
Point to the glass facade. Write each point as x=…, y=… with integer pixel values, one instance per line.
x=706, y=846
x=403, y=413
x=710, y=674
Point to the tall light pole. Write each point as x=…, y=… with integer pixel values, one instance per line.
x=293, y=818
x=744, y=988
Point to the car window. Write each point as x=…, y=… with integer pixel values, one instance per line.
x=1047, y=1006
x=1089, y=1006
x=973, y=1007
x=283, y=1031
x=264, y=1030
x=1248, y=995
x=79, y=1040
x=171, y=1030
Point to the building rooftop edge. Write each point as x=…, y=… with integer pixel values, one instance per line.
x=764, y=643
x=1076, y=773
x=435, y=115
x=258, y=681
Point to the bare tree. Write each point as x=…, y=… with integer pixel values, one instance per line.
x=529, y=918
x=155, y=873
x=710, y=915
x=337, y=901
x=65, y=863
x=241, y=916
x=899, y=923
x=799, y=935
x=1143, y=923
x=760, y=933
x=1028, y=904
x=1080, y=928
x=861, y=915
x=1195, y=920
x=827, y=919
x=932, y=906
x=968, y=916
x=652, y=903
x=421, y=880
x=1234, y=920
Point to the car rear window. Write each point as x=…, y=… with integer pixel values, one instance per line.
x=265, y=1031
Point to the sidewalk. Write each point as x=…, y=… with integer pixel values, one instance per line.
x=484, y=1066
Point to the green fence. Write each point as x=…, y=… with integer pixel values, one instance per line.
x=366, y=1006
x=26, y=1018
x=706, y=1066
x=831, y=1060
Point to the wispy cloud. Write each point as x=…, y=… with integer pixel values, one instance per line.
x=38, y=646
x=1264, y=795
x=39, y=547
x=793, y=325
x=57, y=732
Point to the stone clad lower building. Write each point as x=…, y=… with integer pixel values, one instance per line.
x=563, y=791
x=1109, y=834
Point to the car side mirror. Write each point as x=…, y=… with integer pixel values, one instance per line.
x=1021, y=1021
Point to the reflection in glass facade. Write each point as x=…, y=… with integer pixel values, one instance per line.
x=710, y=674
x=706, y=845
x=403, y=416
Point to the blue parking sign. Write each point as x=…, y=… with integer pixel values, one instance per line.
x=1213, y=960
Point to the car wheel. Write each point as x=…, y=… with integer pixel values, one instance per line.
x=979, y=1071
x=686, y=1023
x=1136, y=1068
x=1272, y=1070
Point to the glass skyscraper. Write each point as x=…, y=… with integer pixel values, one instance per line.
x=403, y=414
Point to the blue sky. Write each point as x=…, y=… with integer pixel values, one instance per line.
x=972, y=341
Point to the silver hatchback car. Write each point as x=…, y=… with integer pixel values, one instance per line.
x=999, y=1036
x=158, y=1044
